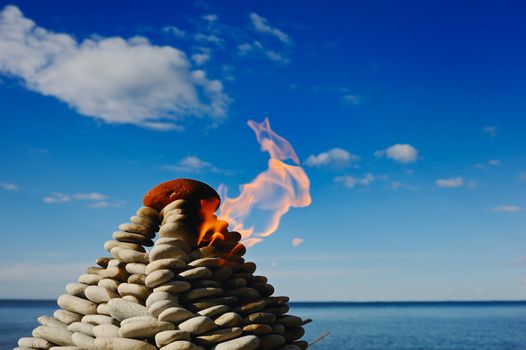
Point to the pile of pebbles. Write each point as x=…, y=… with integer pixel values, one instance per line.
x=181, y=295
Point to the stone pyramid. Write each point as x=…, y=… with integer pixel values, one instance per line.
x=193, y=290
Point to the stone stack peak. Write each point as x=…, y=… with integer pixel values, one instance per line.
x=193, y=290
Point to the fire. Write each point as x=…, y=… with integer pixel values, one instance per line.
x=271, y=194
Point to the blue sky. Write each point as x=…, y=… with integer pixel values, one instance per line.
x=408, y=118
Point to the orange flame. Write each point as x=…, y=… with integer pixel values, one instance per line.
x=271, y=193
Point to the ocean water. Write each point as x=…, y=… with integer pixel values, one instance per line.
x=360, y=326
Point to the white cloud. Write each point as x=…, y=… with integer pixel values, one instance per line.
x=494, y=162
x=488, y=164
x=297, y=241
x=93, y=196
x=261, y=25
x=491, y=130
x=175, y=31
x=396, y=185
x=507, y=209
x=453, y=182
x=352, y=99
x=209, y=38
x=402, y=153
x=193, y=164
x=350, y=181
x=105, y=204
x=95, y=199
x=115, y=80
x=211, y=17
x=202, y=56
x=57, y=198
x=256, y=48
x=336, y=158
x=9, y=186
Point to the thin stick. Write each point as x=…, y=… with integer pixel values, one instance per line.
x=319, y=339
x=305, y=321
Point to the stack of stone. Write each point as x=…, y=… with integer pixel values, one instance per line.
x=192, y=291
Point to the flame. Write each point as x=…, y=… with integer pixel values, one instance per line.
x=271, y=193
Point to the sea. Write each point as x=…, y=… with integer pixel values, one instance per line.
x=359, y=326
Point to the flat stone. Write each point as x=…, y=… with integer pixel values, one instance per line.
x=136, y=228
x=89, y=279
x=83, y=341
x=278, y=328
x=175, y=315
x=276, y=301
x=144, y=329
x=76, y=304
x=257, y=329
x=197, y=325
x=222, y=273
x=55, y=335
x=93, y=269
x=201, y=293
x=129, y=237
x=115, y=273
x=175, y=242
x=136, y=268
x=138, y=319
x=130, y=245
x=109, y=284
x=204, y=304
x=158, y=296
x=76, y=289
x=137, y=290
x=132, y=256
x=195, y=273
x=171, y=230
x=302, y=344
x=178, y=204
x=158, y=277
x=167, y=251
x=166, y=337
x=248, y=342
x=98, y=319
x=210, y=263
x=176, y=218
x=122, y=309
x=290, y=321
x=159, y=306
x=133, y=299
x=106, y=330
x=251, y=307
x=34, y=343
x=204, y=252
x=218, y=336
x=229, y=319
x=67, y=317
x=82, y=327
x=245, y=293
x=205, y=284
x=50, y=322
x=102, y=262
x=168, y=264
x=271, y=341
x=261, y=317
x=173, y=287
x=278, y=310
x=234, y=283
x=122, y=344
x=148, y=212
x=182, y=345
x=100, y=295
x=145, y=221
x=293, y=333
x=137, y=278
x=214, y=311
x=103, y=309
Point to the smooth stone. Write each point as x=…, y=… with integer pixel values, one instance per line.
x=218, y=336
x=290, y=321
x=279, y=310
x=245, y=293
x=271, y=341
x=67, y=317
x=302, y=344
x=180, y=204
x=277, y=301
x=133, y=299
x=173, y=287
x=51, y=322
x=214, y=311
x=93, y=269
x=171, y=230
x=136, y=228
x=234, y=283
x=162, y=264
x=103, y=262
x=65, y=348
x=159, y=306
x=115, y=273
x=109, y=284
x=137, y=278
x=252, y=307
x=166, y=251
x=136, y=268
x=205, y=284
x=55, y=335
x=210, y=263
x=34, y=343
x=257, y=329
x=98, y=319
x=103, y=309
x=106, y=330
x=130, y=245
x=82, y=327
x=138, y=319
x=175, y=315
x=248, y=267
x=115, y=263
x=278, y=328
x=131, y=256
x=158, y=277
x=99, y=294
x=83, y=341
x=293, y=333
x=289, y=347
x=76, y=304
x=144, y=221
x=182, y=345
x=144, y=329
x=206, y=303
x=195, y=273
x=76, y=289
x=222, y=273
x=201, y=293
x=129, y=237
x=89, y=279
x=261, y=317
x=175, y=242
x=121, y=309
x=149, y=213
x=197, y=325
x=158, y=296
x=229, y=319
x=176, y=218
x=166, y=337
x=204, y=252
x=248, y=342
x=137, y=290
x=122, y=344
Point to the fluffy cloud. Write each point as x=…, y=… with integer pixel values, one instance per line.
x=175, y=31
x=8, y=186
x=256, y=48
x=202, y=56
x=193, y=164
x=402, y=153
x=114, y=80
x=350, y=181
x=453, y=182
x=261, y=25
x=336, y=158
x=488, y=164
x=95, y=199
x=507, y=209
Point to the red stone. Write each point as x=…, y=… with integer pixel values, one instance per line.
x=193, y=191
